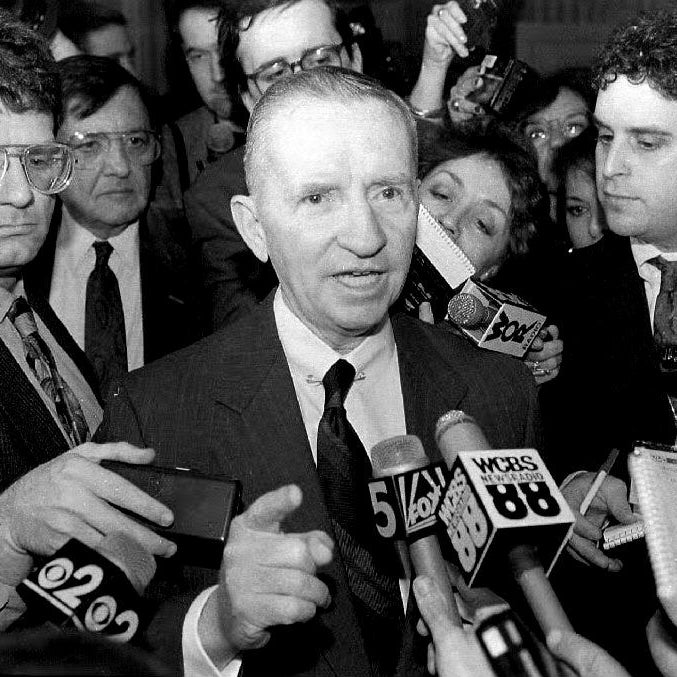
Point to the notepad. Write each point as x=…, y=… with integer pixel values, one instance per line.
x=618, y=534
x=653, y=469
x=438, y=267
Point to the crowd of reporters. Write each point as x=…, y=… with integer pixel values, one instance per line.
x=156, y=233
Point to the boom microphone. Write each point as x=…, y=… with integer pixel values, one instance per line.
x=413, y=495
x=92, y=590
x=497, y=504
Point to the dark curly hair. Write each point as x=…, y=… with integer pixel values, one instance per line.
x=643, y=49
x=236, y=16
x=529, y=202
x=29, y=80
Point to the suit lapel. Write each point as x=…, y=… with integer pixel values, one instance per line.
x=430, y=387
x=41, y=435
x=260, y=389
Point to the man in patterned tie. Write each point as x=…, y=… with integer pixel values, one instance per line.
x=52, y=486
x=291, y=399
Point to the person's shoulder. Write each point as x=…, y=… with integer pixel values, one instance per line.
x=225, y=172
x=200, y=117
x=207, y=358
x=439, y=343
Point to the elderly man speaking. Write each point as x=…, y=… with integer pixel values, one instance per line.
x=289, y=398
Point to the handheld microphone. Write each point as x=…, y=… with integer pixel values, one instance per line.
x=495, y=320
x=500, y=503
x=409, y=501
x=467, y=311
x=92, y=590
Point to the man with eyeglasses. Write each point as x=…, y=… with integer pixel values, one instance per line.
x=52, y=487
x=260, y=41
x=107, y=268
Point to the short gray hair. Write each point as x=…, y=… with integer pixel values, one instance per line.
x=339, y=85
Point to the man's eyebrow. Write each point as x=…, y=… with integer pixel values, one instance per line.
x=399, y=178
x=649, y=129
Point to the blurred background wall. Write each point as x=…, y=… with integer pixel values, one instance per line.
x=547, y=34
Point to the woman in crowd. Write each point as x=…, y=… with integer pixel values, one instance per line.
x=580, y=216
x=484, y=188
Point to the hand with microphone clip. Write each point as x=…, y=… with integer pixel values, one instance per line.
x=510, y=491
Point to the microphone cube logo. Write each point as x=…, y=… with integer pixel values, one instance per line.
x=78, y=587
x=467, y=523
x=501, y=498
x=406, y=505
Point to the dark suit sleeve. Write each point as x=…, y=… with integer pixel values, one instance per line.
x=173, y=589
x=231, y=277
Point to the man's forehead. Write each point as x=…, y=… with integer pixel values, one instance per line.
x=25, y=128
x=124, y=111
x=627, y=105
x=284, y=32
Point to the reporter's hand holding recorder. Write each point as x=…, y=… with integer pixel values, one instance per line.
x=72, y=496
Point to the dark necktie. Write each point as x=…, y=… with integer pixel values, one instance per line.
x=105, y=338
x=42, y=363
x=371, y=565
x=665, y=313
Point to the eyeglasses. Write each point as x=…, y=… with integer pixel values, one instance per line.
x=141, y=146
x=324, y=55
x=542, y=132
x=48, y=166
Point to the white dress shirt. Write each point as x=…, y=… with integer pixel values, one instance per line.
x=375, y=409
x=74, y=261
x=643, y=252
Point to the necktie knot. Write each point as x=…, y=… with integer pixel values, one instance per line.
x=667, y=268
x=337, y=382
x=103, y=249
x=21, y=316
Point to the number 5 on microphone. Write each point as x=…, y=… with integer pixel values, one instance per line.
x=389, y=523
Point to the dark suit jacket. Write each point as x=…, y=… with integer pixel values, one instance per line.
x=232, y=279
x=610, y=390
x=170, y=319
x=227, y=405
x=29, y=435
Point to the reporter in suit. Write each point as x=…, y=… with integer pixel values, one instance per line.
x=331, y=172
x=52, y=486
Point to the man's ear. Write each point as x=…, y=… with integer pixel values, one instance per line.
x=248, y=225
x=356, y=58
x=247, y=99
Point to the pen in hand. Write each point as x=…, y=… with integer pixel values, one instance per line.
x=597, y=482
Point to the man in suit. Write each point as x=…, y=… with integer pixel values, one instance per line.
x=209, y=131
x=617, y=319
x=331, y=172
x=52, y=486
x=108, y=126
x=257, y=38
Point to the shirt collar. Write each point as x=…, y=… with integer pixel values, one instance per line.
x=7, y=298
x=311, y=357
x=643, y=252
x=77, y=241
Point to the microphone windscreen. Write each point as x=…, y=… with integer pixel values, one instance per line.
x=131, y=557
x=397, y=455
x=467, y=311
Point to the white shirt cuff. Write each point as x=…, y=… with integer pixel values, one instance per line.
x=196, y=662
